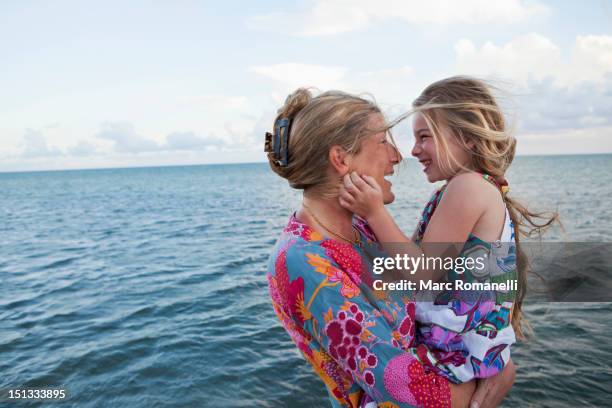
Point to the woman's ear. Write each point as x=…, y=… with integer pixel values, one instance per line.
x=340, y=160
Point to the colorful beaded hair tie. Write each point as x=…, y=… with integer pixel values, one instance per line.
x=501, y=185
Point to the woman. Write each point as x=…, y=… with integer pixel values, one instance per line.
x=360, y=342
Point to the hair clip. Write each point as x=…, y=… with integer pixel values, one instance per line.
x=278, y=143
x=282, y=141
x=268, y=143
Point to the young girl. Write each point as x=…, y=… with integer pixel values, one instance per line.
x=461, y=138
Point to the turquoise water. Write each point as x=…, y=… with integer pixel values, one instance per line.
x=146, y=287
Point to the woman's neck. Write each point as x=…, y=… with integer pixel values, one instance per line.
x=327, y=217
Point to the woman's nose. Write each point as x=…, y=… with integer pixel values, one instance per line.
x=395, y=156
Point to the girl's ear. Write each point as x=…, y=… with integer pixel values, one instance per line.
x=470, y=144
x=340, y=160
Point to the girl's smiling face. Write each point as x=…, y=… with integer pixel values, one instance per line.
x=441, y=159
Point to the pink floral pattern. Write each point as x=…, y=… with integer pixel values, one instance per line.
x=319, y=291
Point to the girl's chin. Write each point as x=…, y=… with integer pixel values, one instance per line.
x=432, y=178
x=388, y=197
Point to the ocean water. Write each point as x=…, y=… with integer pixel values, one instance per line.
x=146, y=287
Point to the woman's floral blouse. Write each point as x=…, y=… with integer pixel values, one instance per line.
x=359, y=341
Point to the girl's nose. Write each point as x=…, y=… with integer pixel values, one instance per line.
x=416, y=149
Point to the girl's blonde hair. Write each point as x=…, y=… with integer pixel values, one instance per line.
x=466, y=106
x=317, y=123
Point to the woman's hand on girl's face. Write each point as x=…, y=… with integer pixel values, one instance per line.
x=361, y=195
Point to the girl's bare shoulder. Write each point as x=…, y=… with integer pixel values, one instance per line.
x=473, y=187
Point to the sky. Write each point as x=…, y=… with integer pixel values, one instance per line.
x=90, y=84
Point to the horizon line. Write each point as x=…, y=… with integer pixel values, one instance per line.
x=242, y=163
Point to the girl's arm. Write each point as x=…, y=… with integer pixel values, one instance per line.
x=460, y=209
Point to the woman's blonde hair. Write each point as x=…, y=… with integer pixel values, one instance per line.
x=317, y=123
x=466, y=106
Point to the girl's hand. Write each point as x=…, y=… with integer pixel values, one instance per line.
x=361, y=195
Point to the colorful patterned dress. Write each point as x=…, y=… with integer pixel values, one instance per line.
x=469, y=332
x=360, y=342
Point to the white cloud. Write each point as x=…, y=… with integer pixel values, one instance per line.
x=125, y=138
x=388, y=85
x=293, y=75
x=327, y=17
x=223, y=118
x=189, y=141
x=83, y=148
x=546, y=106
x=527, y=56
x=124, y=142
x=535, y=57
x=215, y=101
x=555, y=90
x=591, y=59
x=35, y=145
x=595, y=140
x=255, y=137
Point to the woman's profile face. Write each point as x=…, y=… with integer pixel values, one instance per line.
x=377, y=157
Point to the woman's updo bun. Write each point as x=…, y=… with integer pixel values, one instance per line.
x=294, y=103
x=333, y=118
